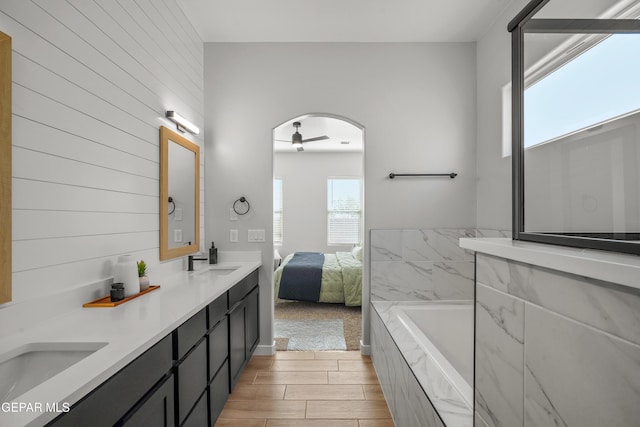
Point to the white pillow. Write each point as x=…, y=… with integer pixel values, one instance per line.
x=356, y=252
x=277, y=259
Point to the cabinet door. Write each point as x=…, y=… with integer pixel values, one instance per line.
x=157, y=410
x=237, y=341
x=252, y=321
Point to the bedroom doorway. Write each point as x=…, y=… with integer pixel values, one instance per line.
x=318, y=223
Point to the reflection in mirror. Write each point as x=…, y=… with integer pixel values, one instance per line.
x=5, y=168
x=581, y=139
x=179, y=195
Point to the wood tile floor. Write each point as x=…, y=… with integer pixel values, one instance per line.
x=307, y=389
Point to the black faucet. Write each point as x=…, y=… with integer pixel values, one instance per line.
x=190, y=258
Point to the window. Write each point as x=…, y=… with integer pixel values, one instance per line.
x=344, y=206
x=277, y=211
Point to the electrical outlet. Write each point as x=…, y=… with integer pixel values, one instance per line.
x=233, y=235
x=255, y=236
x=177, y=235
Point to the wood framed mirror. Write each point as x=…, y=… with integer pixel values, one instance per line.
x=179, y=195
x=5, y=168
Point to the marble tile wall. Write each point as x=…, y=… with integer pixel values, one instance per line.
x=407, y=401
x=554, y=349
x=420, y=265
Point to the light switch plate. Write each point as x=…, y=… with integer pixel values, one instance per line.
x=233, y=216
x=255, y=236
x=177, y=235
x=233, y=235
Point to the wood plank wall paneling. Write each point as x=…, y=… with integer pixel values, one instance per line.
x=5, y=168
x=91, y=82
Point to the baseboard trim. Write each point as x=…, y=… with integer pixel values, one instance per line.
x=266, y=350
x=365, y=349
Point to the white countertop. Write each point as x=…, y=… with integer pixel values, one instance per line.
x=128, y=329
x=608, y=266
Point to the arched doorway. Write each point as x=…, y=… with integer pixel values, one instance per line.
x=319, y=208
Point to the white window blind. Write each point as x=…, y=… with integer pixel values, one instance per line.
x=344, y=205
x=277, y=211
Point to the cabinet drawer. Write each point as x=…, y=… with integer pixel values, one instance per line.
x=190, y=332
x=192, y=379
x=242, y=288
x=157, y=410
x=218, y=346
x=199, y=417
x=219, y=392
x=110, y=401
x=218, y=309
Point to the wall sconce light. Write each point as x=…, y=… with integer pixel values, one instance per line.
x=181, y=123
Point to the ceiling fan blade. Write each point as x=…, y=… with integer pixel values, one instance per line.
x=283, y=140
x=317, y=138
x=299, y=148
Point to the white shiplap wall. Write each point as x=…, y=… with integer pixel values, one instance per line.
x=91, y=82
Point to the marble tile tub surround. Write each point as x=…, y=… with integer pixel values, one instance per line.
x=421, y=265
x=554, y=348
x=407, y=401
x=448, y=402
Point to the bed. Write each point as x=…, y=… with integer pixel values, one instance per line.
x=319, y=277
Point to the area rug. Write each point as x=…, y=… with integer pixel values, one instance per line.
x=307, y=335
x=350, y=330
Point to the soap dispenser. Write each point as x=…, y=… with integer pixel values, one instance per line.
x=213, y=254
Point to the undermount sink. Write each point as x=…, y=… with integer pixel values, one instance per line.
x=214, y=271
x=32, y=364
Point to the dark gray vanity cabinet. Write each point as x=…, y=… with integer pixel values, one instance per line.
x=185, y=379
x=131, y=389
x=244, y=331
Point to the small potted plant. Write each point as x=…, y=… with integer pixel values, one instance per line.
x=142, y=275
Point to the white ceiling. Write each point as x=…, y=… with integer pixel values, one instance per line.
x=341, y=20
x=343, y=136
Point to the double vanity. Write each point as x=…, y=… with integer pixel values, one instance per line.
x=170, y=357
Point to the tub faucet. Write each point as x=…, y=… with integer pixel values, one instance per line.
x=190, y=259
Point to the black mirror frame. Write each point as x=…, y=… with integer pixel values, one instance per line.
x=525, y=23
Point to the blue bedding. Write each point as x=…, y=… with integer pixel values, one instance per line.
x=302, y=277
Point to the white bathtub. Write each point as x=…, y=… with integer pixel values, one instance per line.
x=445, y=332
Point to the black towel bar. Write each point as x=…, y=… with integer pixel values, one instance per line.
x=450, y=175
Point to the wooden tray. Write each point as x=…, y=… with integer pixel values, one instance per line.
x=106, y=301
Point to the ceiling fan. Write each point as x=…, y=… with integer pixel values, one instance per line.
x=296, y=138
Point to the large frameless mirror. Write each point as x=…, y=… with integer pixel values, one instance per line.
x=576, y=124
x=179, y=195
